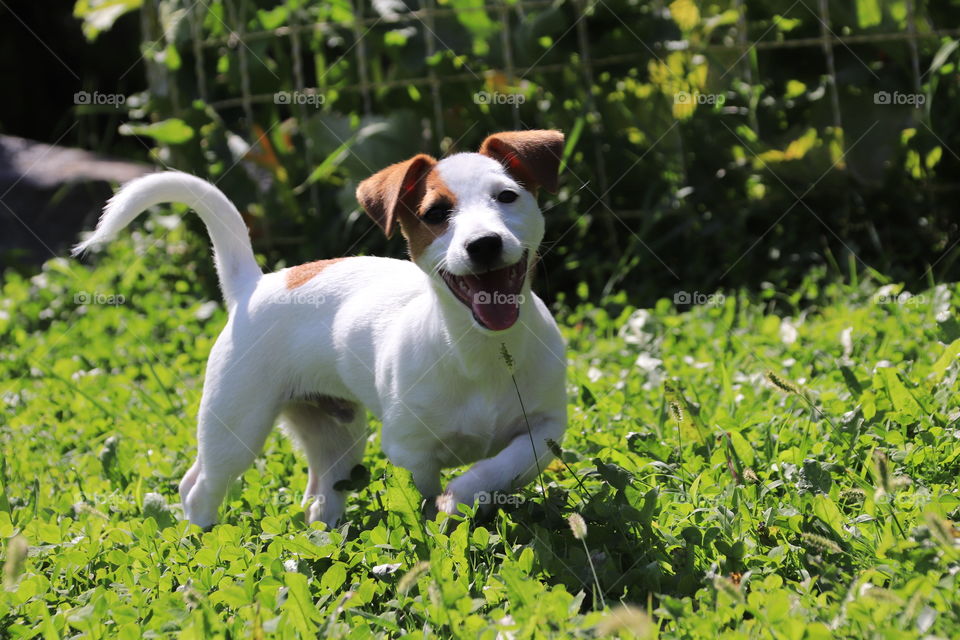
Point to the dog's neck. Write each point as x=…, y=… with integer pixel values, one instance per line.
x=478, y=351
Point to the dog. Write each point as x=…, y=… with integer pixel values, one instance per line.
x=421, y=344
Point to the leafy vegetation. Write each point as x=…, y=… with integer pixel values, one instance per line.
x=677, y=138
x=778, y=465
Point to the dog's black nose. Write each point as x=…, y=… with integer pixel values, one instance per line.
x=485, y=250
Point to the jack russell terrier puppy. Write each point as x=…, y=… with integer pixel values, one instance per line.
x=417, y=343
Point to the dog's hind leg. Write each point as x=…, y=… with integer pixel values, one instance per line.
x=332, y=434
x=233, y=424
x=189, y=479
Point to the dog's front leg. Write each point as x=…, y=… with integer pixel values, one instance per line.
x=426, y=477
x=515, y=466
x=420, y=461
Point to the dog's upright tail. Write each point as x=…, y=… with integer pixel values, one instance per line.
x=233, y=254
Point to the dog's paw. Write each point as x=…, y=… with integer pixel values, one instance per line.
x=462, y=491
x=481, y=502
x=327, y=509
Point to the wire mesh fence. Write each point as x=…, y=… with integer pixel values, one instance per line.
x=641, y=88
x=509, y=15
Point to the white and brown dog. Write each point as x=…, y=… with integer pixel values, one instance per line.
x=418, y=343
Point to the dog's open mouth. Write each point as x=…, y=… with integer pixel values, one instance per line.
x=494, y=297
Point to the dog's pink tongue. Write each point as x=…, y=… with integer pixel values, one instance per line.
x=495, y=299
x=497, y=316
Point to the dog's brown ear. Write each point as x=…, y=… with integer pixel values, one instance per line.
x=396, y=190
x=531, y=157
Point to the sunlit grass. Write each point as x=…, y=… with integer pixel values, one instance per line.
x=726, y=471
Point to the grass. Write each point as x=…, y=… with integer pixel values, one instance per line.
x=775, y=465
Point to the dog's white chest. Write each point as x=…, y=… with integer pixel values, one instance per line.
x=482, y=425
x=460, y=426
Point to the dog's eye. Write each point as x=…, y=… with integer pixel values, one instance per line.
x=436, y=215
x=507, y=196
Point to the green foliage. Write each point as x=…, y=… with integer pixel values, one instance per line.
x=691, y=164
x=99, y=15
x=774, y=465
x=172, y=131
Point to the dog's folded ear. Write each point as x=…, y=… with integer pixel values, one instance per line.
x=398, y=189
x=531, y=157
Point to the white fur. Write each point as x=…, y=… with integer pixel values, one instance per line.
x=236, y=265
x=385, y=334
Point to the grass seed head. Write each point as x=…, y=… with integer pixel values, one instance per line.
x=554, y=447
x=16, y=561
x=781, y=383
x=625, y=618
x=506, y=357
x=852, y=496
x=729, y=587
x=410, y=578
x=881, y=469
x=676, y=411
x=108, y=454
x=820, y=542
x=942, y=530
x=578, y=526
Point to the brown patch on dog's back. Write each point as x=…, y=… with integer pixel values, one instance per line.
x=303, y=273
x=420, y=234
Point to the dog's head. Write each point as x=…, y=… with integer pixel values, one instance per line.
x=471, y=220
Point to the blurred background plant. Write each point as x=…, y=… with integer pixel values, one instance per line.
x=710, y=145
